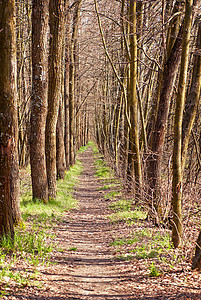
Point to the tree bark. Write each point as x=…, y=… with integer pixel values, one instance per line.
x=8, y=69
x=14, y=174
x=40, y=18
x=177, y=167
x=60, y=154
x=66, y=86
x=56, y=14
x=158, y=135
x=192, y=99
x=72, y=84
x=134, y=135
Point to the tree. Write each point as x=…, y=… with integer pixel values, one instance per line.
x=14, y=173
x=66, y=85
x=8, y=69
x=135, y=161
x=177, y=180
x=158, y=136
x=56, y=15
x=24, y=82
x=72, y=82
x=193, y=98
x=60, y=148
x=40, y=19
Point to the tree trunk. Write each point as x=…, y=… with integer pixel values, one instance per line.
x=66, y=86
x=40, y=18
x=177, y=167
x=8, y=69
x=72, y=84
x=134, y=136
x=56, y=14
x=192, y=99
x=158, y=135
x=61, y=165
x=14, y=174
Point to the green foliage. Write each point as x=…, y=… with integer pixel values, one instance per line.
x=102, y=170
x=72, y=249
x=121, y=242
x=121, y=205
x=147, y=245
x=128, y=216
x=82, y=149
x=94, y=147
x=33, y=246
x=40, y=212
x=154, y=271
x=146, y=251
x=34, y=242
x=108, y=186
x=112, y=194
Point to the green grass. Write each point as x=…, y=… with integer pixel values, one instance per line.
x=83, y=149
x=94, y=147
x=128, y=216
x=112, y=194
x=40, y=212
x=34, y=244
x=102, y=170
x=121, y=205
x=72, y=249
x=108, y=186
x=121, y=242
x=154, y=271
x=147, y=244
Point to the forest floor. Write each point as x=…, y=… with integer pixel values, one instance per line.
x=101, y=257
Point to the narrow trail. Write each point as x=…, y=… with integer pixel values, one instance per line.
x=89, y=232
x=89, y=272
x=86, y=268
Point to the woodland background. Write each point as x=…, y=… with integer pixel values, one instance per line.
x=126, y=74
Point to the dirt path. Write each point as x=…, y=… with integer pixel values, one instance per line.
x=92, y=270
x=89, y=270
x=86, y=268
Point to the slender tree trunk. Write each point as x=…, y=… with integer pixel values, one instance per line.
x=72, y=83
x=66, y=86
x=40, y=18
x=14, y=174
x=8, y=69
x=192, y=99
x=177, y=167
x=134, y=135
x=158, y=135
x=56, y=14
x=61, y=165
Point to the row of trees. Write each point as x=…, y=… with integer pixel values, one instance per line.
x=128, y=70
x=151, y=88
x=40, y=115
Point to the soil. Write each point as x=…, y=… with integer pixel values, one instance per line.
x=87, y=267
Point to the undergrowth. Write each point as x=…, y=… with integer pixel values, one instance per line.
x=40, y=212
x=151, y=245
x=33, y=242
